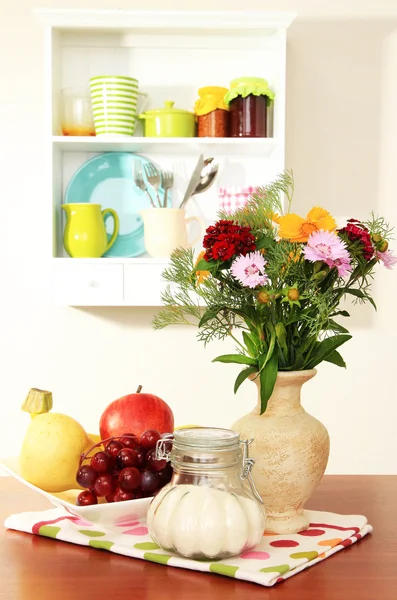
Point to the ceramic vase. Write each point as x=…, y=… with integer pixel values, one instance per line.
x=290, y=449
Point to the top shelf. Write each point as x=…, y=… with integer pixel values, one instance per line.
x=226, y=146
x=208, y=21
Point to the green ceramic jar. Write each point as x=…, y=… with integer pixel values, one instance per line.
x=168, y=122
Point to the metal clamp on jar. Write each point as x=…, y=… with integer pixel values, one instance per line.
x=207, y=511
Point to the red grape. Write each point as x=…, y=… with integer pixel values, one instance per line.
x=165, y=475
x=141, y=456
x=86, y=498
x=149, y=439
x=120, y=496
x=86, y=476
x=103, y=485
x=113, y=448
x=153, y=463
x=129, y=479
x=129, y=440
x=101, y=462
x=139, y=494
x=127, y=457
x=150, y=481
x=110, y=498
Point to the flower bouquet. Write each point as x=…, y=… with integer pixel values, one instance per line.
x=279, y=280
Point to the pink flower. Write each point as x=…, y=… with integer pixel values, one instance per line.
x=388, y=258
x=327, y=247
x=250, y=269
x=342, y=264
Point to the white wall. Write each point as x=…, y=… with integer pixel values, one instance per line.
x=341, y=143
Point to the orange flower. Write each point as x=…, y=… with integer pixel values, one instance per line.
x=201, y=275
x=297, y=229
x=295, y=256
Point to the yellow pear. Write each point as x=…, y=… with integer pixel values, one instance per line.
x=53, y=443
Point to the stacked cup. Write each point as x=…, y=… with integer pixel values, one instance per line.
x=114, y=104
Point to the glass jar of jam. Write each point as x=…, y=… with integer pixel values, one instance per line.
x=212, y=114
x=248, y=99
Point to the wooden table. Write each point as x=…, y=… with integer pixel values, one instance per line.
x=36, y=568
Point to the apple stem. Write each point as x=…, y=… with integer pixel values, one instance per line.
x=139, y=389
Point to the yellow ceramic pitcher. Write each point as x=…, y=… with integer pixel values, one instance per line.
x=85, y=233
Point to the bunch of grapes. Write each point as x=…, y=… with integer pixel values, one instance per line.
x=122, y=468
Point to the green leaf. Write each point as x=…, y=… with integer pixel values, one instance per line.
x=270, y=350
x=268, y=378
x=235, y=358
x=334, y=326
x=251, y=346
x=342, y=313
x=336, y=359
x=208, y=316
x=325, y=348
x=204, y=265
x=265, y=242
x=281, y=335
x=299, y=362
x=242, y=376
x=360, y=294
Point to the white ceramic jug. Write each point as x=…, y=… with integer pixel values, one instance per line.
x=166, y=229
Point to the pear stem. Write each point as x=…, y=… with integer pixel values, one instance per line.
x=37, y=402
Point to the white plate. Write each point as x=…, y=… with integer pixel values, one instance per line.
x=105, y=514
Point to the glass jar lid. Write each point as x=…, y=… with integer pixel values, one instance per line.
x=213, y=438
x=202, y=447
x=211, y=98
x=244, y=86
x=205, y=450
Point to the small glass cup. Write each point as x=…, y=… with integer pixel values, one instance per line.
x=76, y=112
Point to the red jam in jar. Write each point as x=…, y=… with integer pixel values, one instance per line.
x=248, y=99
x=248, y=116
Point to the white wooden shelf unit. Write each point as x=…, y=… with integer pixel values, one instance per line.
x=172, y=54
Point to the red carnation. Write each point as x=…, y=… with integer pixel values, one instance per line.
x=225, y=239
x=357, y=232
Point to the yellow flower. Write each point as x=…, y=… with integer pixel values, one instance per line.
x=297, y=229
x=201, y=275
x=276, y=218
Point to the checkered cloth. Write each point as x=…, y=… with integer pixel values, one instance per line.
x=233, y=197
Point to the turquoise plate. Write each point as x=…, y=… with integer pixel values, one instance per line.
x=108, y=180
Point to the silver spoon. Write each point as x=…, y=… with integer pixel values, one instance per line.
x=207, y=178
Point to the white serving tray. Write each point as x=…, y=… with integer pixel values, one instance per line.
x=105, y=514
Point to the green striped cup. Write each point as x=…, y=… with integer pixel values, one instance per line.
x=115, y=102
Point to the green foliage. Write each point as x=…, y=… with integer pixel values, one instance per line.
x=275, y=332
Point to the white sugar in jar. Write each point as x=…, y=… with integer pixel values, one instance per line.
x=207, y=511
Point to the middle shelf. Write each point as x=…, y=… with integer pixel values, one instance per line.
x=224, y=146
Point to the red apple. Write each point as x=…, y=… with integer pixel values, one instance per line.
x=136, y=413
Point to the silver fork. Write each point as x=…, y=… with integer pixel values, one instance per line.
x=168, y=182
x=154, y=179
x=139, y=181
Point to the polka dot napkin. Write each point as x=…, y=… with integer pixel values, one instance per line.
x=276, y=558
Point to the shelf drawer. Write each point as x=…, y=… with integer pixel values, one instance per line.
x=82, y=284
x=143, y=284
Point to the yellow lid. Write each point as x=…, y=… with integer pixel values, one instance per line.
x=211, y=98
